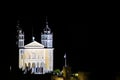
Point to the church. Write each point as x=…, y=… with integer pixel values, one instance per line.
x=36, y=57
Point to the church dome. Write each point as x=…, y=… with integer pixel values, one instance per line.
x=47, y=30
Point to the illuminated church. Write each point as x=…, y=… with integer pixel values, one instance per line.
x=36, y=57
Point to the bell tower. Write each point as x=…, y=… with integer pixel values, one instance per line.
x=21, y=39
x=20, y=43
x=47, y=36
x=20, y=36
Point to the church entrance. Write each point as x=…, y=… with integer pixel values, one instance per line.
x=41, y=70
x=33, y=65
x=33, y=68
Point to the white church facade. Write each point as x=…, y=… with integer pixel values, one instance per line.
x=36, y=57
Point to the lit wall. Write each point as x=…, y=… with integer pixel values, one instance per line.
x=36, y=56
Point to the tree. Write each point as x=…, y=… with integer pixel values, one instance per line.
x=56, y=72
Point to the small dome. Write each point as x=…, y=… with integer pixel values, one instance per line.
x=47, y=30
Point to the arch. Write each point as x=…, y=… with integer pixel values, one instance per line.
x=25, y=65
x=29, y=65
x=33, y=68
x=33, y=65
x=42, y=67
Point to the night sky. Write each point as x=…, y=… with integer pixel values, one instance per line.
x=70, y=36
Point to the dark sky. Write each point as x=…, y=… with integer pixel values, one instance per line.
x=70, y=37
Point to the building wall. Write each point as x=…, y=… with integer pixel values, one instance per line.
x=36, y=57
x=21, y=53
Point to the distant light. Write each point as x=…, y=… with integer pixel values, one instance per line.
x=10, y=68
x=76, y=74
